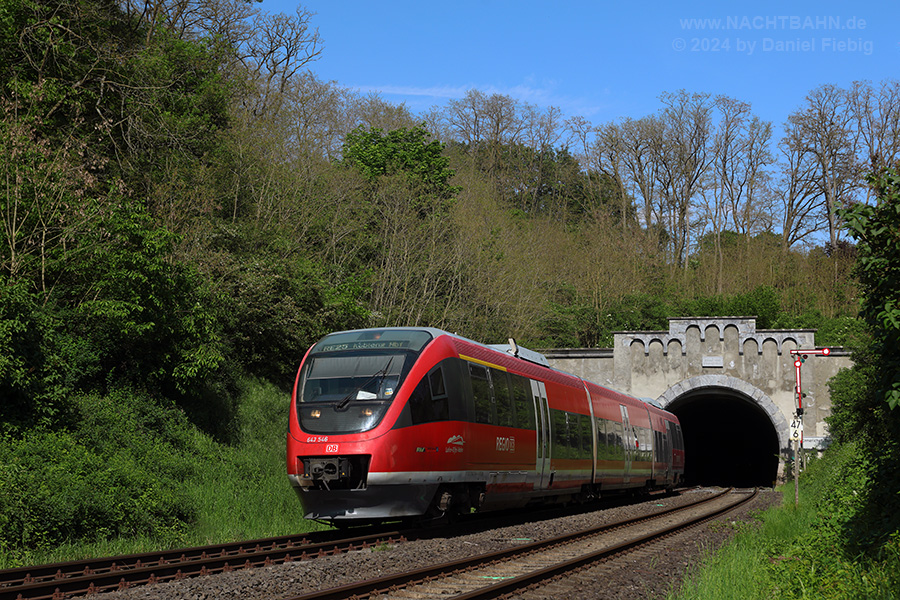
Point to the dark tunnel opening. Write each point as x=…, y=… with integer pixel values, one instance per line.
x=728, y=439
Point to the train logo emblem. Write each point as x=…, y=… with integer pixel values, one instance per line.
x=455, y=444
x=506, y=444
x=331, y=449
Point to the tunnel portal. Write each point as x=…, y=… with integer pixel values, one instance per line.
x=729, y=440
x=733, y=386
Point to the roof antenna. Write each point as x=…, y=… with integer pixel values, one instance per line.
x=513, y=347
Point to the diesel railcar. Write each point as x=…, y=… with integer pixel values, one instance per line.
x=398, y=423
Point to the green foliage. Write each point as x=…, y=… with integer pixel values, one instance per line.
x=811, y=550
x=20, y=362
x=272, y=310
x=377, y=154
x=247, y=495
x=877, y=231
x=143, y=314
x=115, y=472
x=856, y=412
x=131, y=475
x=762, y=302
x=843, y=552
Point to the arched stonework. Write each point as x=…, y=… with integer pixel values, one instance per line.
x=729, y=352
x=745, y=327
x=705, y=382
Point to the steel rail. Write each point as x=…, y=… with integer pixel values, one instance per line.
x=89, y=576
x=533, y=578
x=120, y=572
x=394, y=582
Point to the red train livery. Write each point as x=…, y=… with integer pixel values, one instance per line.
x=417, y=422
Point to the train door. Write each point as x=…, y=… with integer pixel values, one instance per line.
x=628, y=440
x=542, y=408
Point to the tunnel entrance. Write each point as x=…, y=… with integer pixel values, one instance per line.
x=729, y=440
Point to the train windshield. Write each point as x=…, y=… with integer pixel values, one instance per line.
x=350, y=379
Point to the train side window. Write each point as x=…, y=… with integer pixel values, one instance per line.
x=429, y=401
x=436, y=379
x=481, y=391
x=586, y=437
x=657, y=446
x=560, y=437
x=617, y=441
x=645, y=437
x=521, y=391
x=572, y=433
x=601, y=439
x=502, y=398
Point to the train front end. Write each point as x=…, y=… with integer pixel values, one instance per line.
x=342, y=445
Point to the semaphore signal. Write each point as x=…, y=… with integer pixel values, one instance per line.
x=797, y=423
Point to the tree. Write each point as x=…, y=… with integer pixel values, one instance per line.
x=408, y=151
x=409, y=198
x=800, y=198
x=824, y=127
x=683, y=158
x=876, y=229
x=740, y=154
x=876, y=113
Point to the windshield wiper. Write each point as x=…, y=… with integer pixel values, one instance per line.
x=345, y=401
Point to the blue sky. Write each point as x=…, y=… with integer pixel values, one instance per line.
x=602, y=60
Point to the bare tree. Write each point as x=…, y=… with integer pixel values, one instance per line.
x=279, y=48
x=824, y=127
x=610, y=160
x=195, y=18
x=798, y=191
x=876, y=113
x=466, y=118
x=683, y=160
x=436, y=123
x=269, y=49
x=642, y=139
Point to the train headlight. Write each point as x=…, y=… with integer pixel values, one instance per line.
x=367, y=412
x=315, y=413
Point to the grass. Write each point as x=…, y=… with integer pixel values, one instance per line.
x=244, y=492
x=801, y=552
x=235, y=492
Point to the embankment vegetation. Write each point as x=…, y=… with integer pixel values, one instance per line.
x=187, y=207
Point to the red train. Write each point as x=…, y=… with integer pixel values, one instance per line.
x=417, y=422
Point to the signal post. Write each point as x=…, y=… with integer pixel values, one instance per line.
x=797, y=422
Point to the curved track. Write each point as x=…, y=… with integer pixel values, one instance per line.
x=121, y=572
x=508, y=571
x=69, y=579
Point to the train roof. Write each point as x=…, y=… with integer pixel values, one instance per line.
x=513, y=349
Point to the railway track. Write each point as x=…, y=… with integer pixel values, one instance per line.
x=505, y=572
x=63, y=580
x=89, y=577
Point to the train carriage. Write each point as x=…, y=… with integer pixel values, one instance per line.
x=411, y=422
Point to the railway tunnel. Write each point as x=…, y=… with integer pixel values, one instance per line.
x=729, y=439
x=733, y=387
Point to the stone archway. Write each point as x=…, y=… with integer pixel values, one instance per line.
x=703, y=358
x=782, y=427
x=733, y=431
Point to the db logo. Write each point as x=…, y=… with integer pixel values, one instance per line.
x=331, y=448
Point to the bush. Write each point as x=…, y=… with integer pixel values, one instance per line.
x=836, y=557
x=117, y=472
x=21, y=337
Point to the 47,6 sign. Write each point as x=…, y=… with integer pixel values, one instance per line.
x=797, y=429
